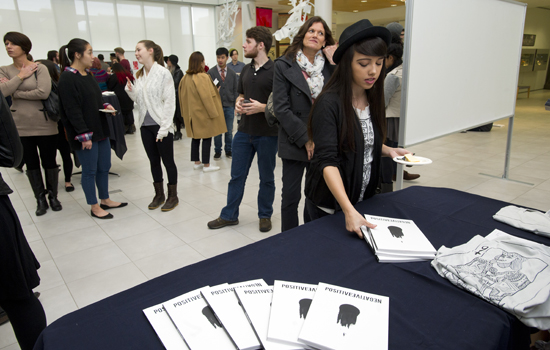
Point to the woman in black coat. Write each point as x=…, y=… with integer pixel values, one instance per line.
x=298, y=79
x=116, y=83
x=18, y=264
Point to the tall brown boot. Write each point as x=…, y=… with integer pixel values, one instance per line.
x=172, y=200
x=159, y=195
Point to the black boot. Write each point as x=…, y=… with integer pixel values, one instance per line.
x=52, y=179
x=35, y=178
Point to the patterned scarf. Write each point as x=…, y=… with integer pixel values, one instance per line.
x=316, y=81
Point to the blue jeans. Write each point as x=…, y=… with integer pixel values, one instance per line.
x=245, y=146
x=229, y=113
x=96, y=163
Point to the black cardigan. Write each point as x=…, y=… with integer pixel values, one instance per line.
x=327, y=120
x=80, y=100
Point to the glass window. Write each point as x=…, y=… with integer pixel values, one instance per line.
x=204, y=29
x=103, y=25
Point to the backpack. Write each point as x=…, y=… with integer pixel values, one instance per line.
x=51, y=104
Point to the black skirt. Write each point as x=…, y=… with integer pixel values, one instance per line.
x=18, y=265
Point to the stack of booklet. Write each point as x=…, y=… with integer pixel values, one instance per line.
x=286, y=316
x=397, y=240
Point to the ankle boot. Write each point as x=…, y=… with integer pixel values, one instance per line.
x=159, y=195
x=172, y=200
x=35, y=178
x=52, y=179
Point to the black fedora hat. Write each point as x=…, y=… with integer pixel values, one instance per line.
x=359, y=31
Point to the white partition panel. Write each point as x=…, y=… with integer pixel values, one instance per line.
x=37, y=19
x=157, y=26
x=180, y=33
x=9, y=22
x=103, y=24
x=71, y=20
x=461, y=65
x=130, y=23
x=204, y=31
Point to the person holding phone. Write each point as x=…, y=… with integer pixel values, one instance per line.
x=87, y=129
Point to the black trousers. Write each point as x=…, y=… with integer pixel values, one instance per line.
x=293, y=171
x=28, y=319
x=206, y=145
x=388, y=166
x=128, y=118
x=313, y=211
x=157, y=151
x=65, y=152
x=47, y=145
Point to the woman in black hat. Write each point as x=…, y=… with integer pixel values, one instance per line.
x=347, y=124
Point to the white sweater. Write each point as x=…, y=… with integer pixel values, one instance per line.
x=154, y=92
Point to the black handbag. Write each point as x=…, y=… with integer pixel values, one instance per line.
x=51, y=104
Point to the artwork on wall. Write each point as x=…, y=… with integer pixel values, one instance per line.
x=264, y=17
x=529, y=39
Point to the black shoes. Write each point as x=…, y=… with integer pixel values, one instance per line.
x=219, y=223
x=69, y=188
x=105, y=206
x=228, y=155
x=178, y=136
x=217, y=156
x=108, y=216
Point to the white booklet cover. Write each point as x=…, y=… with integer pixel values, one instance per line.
x=165, y=329
x=256, y=302
x=225, y=305
x=196, y=322
x=289, y=308
x=342, y=319
x=399, y=236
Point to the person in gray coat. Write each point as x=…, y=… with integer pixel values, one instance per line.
x=298, y=79
x=226, y=81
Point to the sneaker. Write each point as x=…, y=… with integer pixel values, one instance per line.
x=198, y=166
x=209, y=169
x=228, y=155
x=219, y=223
x=265, y=225
x=217, y=156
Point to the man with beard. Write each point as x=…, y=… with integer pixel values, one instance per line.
x=254, y=135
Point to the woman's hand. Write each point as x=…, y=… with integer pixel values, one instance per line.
x=4, y=80
x=310, y=147
x=354, y=221
x=111, y=108
x=27, y=71
x=329, y=52
x=129, y=84
x=393, y=152
x=87, y=144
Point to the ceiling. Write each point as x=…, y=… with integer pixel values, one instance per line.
x=368, y=5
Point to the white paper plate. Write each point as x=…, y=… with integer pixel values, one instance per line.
x=423, y=161
x=108, y=110
x=108, y=93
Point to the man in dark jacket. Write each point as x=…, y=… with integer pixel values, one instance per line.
x=226, y=80
x=177, y=74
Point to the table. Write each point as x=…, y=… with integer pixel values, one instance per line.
x=116, y=127
x=523, y=88
x=426, y=311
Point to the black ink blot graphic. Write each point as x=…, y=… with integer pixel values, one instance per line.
x=209, y=314
x=304, y=307
x=395, y=231
x=347, y=315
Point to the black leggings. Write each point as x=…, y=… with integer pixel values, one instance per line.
x=160, y=150
x=206, y=145
x=27, y=318
x=65, y=152
x=47, y=145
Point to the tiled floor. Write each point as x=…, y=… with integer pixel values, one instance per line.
x=100, y=258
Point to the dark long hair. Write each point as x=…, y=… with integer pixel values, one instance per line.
x=396, y=50
x=195, y=63
x=121, y=73
x=20, y=40
x=52, y=69
x=298, y=41
x=341, y=82
x=157, y=54
x=74, y=46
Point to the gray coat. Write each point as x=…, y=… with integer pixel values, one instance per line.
x=228, y=90
x=291, y=105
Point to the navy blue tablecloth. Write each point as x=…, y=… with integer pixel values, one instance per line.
x=426, y=311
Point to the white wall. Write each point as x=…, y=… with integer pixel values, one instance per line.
x=107, y=24
x=536, y=22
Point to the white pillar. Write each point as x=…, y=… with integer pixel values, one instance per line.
x=248, y=15
x=323, y=8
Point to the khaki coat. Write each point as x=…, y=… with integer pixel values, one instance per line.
x=201, y=106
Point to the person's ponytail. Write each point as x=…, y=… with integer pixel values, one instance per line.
x=67, y=52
